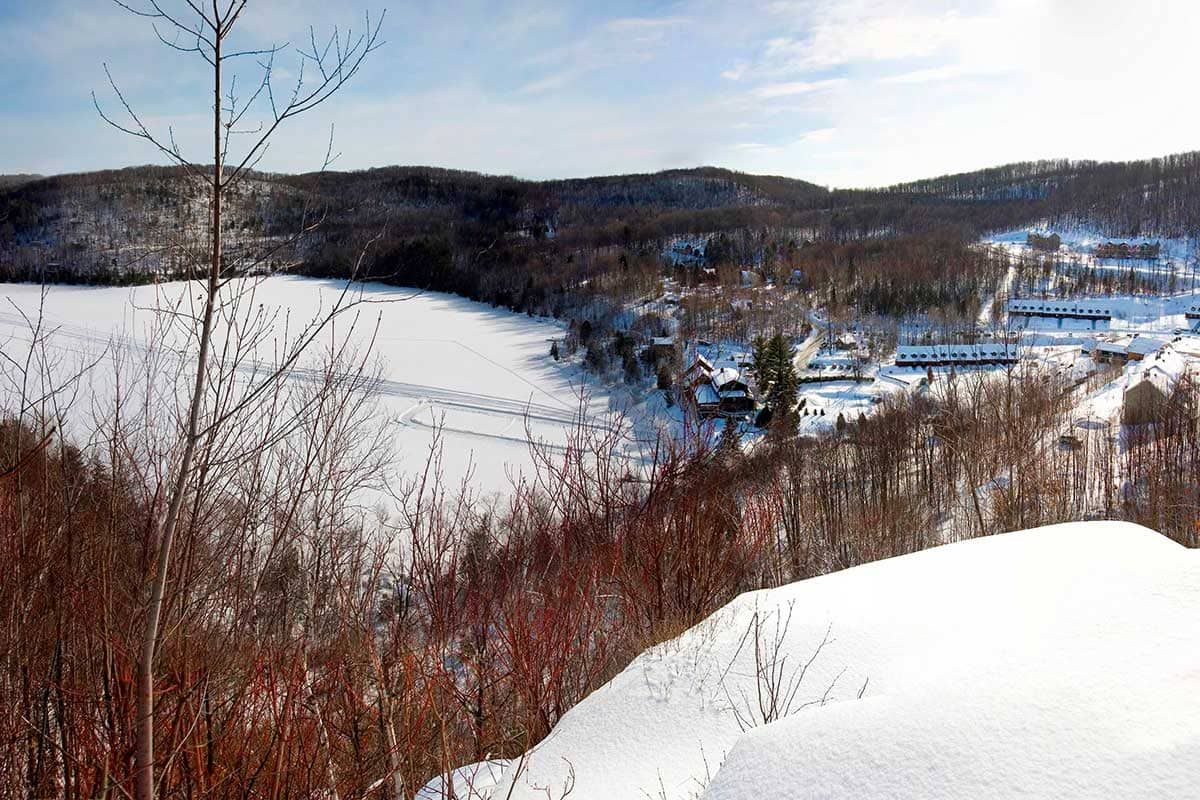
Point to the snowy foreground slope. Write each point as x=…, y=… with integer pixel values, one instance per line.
x=1057, y=662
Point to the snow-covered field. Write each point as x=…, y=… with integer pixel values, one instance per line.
x=1082, y=238
x=481, y=373
x=1058, y=662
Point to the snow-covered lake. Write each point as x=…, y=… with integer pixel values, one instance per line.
x=483, y=374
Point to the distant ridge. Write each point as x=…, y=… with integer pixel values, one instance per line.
x=491, y=233
x=8, y=181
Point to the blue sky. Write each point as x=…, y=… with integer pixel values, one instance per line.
x=840, y=92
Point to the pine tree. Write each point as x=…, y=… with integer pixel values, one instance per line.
x=762, y=368
x=781, y=395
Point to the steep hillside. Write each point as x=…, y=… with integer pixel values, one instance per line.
x=125, y=226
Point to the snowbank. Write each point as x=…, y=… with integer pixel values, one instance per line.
x=1058, y=662
x=472, y=782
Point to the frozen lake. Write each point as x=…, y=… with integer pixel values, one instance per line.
x=484, y=375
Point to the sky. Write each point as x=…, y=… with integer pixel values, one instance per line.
x=843, y=93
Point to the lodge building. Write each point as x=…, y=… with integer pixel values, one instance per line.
x=962, y=355
x=1060, y=309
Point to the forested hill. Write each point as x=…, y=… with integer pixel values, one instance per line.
x=10, y=181
x=490, y=236
x=1153, y=197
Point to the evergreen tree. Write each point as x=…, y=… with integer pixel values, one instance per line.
x=781, y=395
x=762, y=368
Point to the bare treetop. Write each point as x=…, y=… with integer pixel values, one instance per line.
x=325, y=64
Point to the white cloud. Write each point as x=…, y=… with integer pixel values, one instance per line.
x=822, y=35
x=819, y=135
x=929, y=75
x=548, y=83
x=773, y=90
x=615, y=42
x=736, y=72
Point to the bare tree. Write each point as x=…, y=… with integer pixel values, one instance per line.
x=775, y=682
x=204, y=31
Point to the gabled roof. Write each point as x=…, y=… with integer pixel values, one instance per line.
x=1163, y=371
x=700, y=366
x=725, y=376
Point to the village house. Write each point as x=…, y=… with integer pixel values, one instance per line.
x=1122, y=349
x=1150, y=387
x=1193, y=311
x=718, y=392
x=1145, y=250
x=662, y=347
x=736, y=398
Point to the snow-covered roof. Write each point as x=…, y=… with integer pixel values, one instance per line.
x=1086, y=308
x=725, y=376
x=1127, y=345
x=964, y=353
x=1144, y=345
x=1110, y=346
x=1163, y=370
x=663, y=341
x=706, y=395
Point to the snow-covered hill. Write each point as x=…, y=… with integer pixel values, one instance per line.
x=1057, y=662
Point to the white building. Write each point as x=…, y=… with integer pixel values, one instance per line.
x=1060, y=309
x=966, y=355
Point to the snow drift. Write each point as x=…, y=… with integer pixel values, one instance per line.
x=1057, y=662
